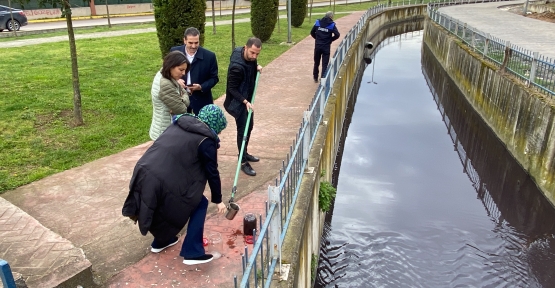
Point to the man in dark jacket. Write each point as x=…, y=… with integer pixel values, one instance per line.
x=166, y=189
x=203, y=74
x=241, y=78
x=325, y=32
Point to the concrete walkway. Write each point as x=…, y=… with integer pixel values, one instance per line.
x=534, y=35
x=83, y=205
x=73, y=219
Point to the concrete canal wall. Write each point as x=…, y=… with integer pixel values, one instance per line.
x=520, y=117
x=302, y=241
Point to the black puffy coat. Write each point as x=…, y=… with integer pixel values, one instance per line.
x=324, y=31
x=169, y=180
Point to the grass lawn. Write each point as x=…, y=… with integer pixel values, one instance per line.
x=37, y=135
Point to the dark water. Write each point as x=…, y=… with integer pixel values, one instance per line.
x=427, y=196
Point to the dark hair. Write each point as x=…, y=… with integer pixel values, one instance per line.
x=174, y=59
x=254, y=41
x=191, y=31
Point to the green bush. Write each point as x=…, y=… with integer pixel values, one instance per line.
x=173, y=17
x=298, y=12
x=326, y=196
x=263, y=18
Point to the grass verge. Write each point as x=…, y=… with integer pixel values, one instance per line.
x=38, y=137
x=317, y=13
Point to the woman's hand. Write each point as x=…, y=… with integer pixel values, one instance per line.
x=221, y=207
x=181, y=83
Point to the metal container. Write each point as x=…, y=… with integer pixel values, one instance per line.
x=232, y=210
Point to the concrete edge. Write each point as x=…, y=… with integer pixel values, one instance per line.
x=23, y=241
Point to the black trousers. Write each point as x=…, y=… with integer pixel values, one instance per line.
x=241, y=123
x=324, y=54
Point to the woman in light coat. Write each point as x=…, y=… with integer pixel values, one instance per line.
x=169, y=96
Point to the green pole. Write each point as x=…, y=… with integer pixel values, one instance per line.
x=234, y=189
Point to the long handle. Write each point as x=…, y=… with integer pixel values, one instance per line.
x=234, y=189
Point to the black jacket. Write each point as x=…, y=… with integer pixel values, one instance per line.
x=204, y=71
x=169, y=180
x=325, y=32
x=241, y=78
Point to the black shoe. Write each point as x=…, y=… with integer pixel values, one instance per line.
x=251, y=158
x=156, y=248
x=246, y=167
x=315, y=79
x=198, y=260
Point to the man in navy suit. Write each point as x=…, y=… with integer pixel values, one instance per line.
x=203, y=74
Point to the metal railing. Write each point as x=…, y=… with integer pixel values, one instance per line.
x=534, y=69
x=266, y=252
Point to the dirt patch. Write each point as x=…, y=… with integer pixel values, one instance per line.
x=545, y=16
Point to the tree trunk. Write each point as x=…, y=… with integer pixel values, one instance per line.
x=233, y=27
x=74, y=68
x=108, y=14
x=11, y=16
x=213, y=18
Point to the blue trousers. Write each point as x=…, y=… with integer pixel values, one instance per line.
x=192, y=244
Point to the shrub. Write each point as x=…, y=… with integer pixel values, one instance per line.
x=173, y=17
x=298, y=12
x=326, y=196
x=263, y=18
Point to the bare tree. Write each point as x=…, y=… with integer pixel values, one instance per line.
x=77, y=113
x=11, y=15
x=108, y=14
x=213, y=19
x=233, y=27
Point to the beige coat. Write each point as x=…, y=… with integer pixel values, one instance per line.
x=168, y=98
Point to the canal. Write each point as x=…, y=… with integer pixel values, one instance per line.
x=426, y=194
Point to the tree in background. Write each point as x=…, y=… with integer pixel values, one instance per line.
x=65, y=6
x=173, y=17
x=213, y=19
x=263, y=18
x=298, y=12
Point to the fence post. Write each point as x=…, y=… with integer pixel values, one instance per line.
x=486, y=42
x=6, y=274
x=307, y=136
x=506, y=56
x=464, y=31
x=274, y=230
x=534, y=67
x=473, y=40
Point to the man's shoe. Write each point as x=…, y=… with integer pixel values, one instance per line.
x=246, y=167
x=251, y=158
x=315, y=79
x=157, y=249
x=198, y=260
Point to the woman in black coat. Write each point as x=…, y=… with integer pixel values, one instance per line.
x=166, y=189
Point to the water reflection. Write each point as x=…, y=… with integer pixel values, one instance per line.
x=419, y=207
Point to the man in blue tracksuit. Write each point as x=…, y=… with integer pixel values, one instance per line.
x=325, y=32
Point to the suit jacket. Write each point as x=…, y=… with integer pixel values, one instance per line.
x=204, y=71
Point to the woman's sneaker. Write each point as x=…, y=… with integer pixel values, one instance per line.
x=157, y=248
x=198, y=260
